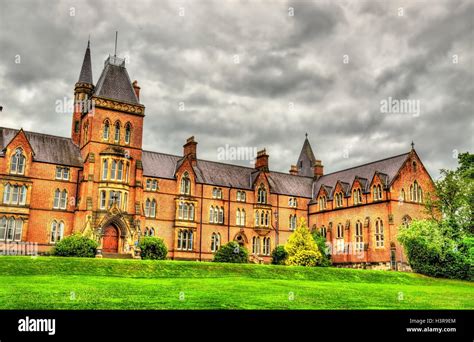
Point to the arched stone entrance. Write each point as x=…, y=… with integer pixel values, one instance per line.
x=110, y=241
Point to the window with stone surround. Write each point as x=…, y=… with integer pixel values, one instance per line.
x=17, y=162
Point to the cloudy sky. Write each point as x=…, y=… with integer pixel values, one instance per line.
x=257, y=73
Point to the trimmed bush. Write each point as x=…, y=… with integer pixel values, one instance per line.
x=279, y=255
x=76, y=246
x=152, y=248
x=305, y=257
x=232, y=252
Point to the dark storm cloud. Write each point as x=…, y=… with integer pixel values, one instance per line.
x=289, y=77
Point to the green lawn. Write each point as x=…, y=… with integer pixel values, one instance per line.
x=73, y=283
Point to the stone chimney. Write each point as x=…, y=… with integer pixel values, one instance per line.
x=261, y=162
x=318, y=169
x=294, y=170
x=136, y=89
x=189, y=149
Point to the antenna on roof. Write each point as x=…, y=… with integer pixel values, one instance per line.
x=116, y=34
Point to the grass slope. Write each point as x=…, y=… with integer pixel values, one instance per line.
x=72, y=283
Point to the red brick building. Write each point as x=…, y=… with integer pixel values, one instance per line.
x=102, y=184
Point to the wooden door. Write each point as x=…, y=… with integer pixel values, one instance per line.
x=110, y=240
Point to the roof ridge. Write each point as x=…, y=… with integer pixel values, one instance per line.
x=38, y=133
x=376, y=161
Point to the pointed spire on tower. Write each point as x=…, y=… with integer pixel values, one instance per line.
x=306, y=159
x=86, y=71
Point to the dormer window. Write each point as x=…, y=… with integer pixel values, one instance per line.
x=377, y=192
x=185, y=184
x=18, y=162
x=339, y=199
x=262, y=195
x=322, y=202
x=357, y=196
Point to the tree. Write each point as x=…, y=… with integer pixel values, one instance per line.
x=454, y=198
x=232, y=252
x=301, y=247
x=321, y=243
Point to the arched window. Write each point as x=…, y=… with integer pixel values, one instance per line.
x=18, y=230
x=57, y=231
x=262, y=194
x=322, y=202
x=211, y=214
x=266, y=246
x=117, y=132
x=414, y=166
x=147, y=207
x=237, y=217
x=221, y=215
x=18, y=160
x=154, y=185
x=106, y=132
x=10, y=228
x=22, y=198
x=340, y=239
x=340, y=231
x=186, y=211
x=267, y=220
x=215, y=242
x=420, y=194
x=262, y=218
x=14, y=199
x=153, y=208
x=323, y=231
x=185, y=184
x=402, y=196
x=379, y=191
x=191, y=212
x=6, y=193
x=242, y=217
x=257, y=218
x=146, y=232
x=3, y=228
x=57, y=199
x=120, y=170
x=256, y=245
x=359, y=240
x=128, y=132
x=379, y=236
x=152, y=231
x=63, y=203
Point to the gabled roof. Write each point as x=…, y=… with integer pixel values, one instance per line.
x=46, y=148
x=389, y=167
x=114, y=82
x=306, y=160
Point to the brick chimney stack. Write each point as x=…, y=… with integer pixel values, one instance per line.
x=189, y=149
x=136, y=89
x=318, y=169
x=294, y=170
x=261, y=163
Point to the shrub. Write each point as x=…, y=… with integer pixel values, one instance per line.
x=232, y=252
x=279, y=255
x=321, y=243
x=305, y=258
x=152, y=248
x=432, y=253
x=76, y=246
x=302, y=241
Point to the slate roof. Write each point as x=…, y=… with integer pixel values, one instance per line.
x=162, y=165
x=86, y=71
x=388, y=167
x=114, y=82
x=46, y=148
